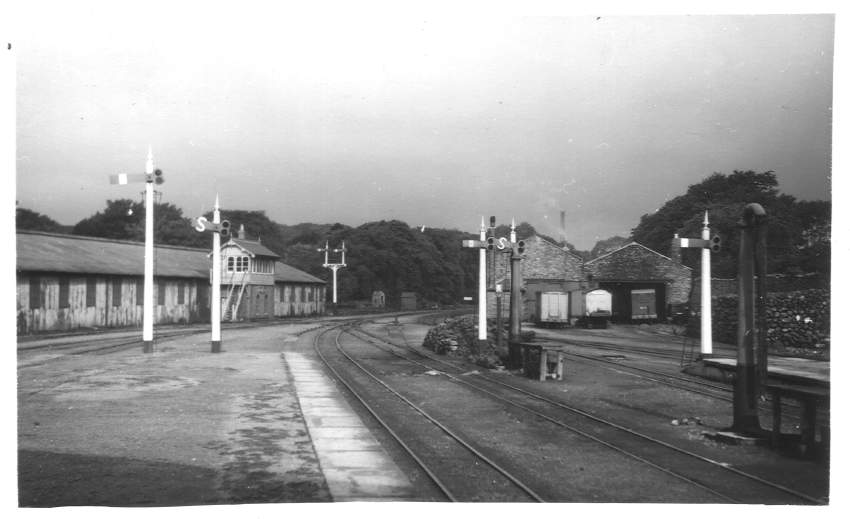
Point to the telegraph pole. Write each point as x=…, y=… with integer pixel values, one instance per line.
x=218, y=229
x=334, y=266
x=149, y=177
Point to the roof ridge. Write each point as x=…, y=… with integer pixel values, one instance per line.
x=105, y=240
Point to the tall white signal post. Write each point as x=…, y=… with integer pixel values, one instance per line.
x=705, y=294
x=482, y=284
x=333, y=266
x=708, y=246
x=218, y=229
x=149, y=177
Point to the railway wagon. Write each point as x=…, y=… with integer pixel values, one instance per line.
x=552, y=309
x=643, y=305
x=597, y=308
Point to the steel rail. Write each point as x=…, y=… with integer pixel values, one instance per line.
x=434, y=478
x=440, y=425
x=622, y=428
x=571, y=429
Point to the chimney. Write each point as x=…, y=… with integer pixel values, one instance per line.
x=676, y=249
x=563, y=228
x=241, y=234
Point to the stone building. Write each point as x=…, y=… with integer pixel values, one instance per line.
x=644, y=284
x=546, y=267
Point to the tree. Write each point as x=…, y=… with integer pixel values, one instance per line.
x=33, y=221
x=257, y=226
x=724, y=196
x=124, y=219
x=121, y=220
x=603, y=247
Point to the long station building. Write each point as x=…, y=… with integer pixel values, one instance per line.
x=67, y=282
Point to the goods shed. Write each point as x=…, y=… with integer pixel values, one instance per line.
x=67, y=282
x=546, y=267
x=642, y=282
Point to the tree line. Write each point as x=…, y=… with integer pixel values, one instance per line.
x=393, y=257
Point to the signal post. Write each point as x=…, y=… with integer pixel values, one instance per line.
x=218, y=229
x=708, y=246
x=516, y=249
x=149, y=177
x=333, y=266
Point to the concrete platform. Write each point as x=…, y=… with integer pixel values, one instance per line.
x=780, y=369
x=355, y=466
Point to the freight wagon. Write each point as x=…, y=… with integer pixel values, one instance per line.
x=643, y=305
x=552, y=309
x=597, y=309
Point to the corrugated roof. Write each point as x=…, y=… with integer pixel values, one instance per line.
x=47, y=252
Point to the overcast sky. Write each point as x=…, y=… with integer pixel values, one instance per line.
x=431, y=120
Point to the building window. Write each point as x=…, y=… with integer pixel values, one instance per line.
x=91, y=292
x=160, y=293
x=181, y=293
x=64, y=293
x=35, y=292
x=237, y=264
x=116, y=292
x=140, y=292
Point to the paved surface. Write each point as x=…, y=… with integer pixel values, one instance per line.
x=261, y=423
x=183, y=426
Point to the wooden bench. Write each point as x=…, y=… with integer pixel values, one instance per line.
x=542, y=363
x=809, y=397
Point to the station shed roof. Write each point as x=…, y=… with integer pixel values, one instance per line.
x=68, y=253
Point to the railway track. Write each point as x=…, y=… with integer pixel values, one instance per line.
x=722, y=480
x=448, y=459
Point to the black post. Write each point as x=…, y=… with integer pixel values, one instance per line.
x=516, y=295
x=760, y=255
x=499, y=321
x=745, y=403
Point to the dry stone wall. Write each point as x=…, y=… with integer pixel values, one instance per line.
x=797, y=321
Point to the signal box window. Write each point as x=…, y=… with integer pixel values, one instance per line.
x=160, y=293
x=181, y=294
x=237, y=264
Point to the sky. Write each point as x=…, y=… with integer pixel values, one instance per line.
x=435, y=120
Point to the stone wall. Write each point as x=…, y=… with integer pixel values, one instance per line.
x=798, y=320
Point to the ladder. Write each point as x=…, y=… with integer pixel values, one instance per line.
x=231, y=311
